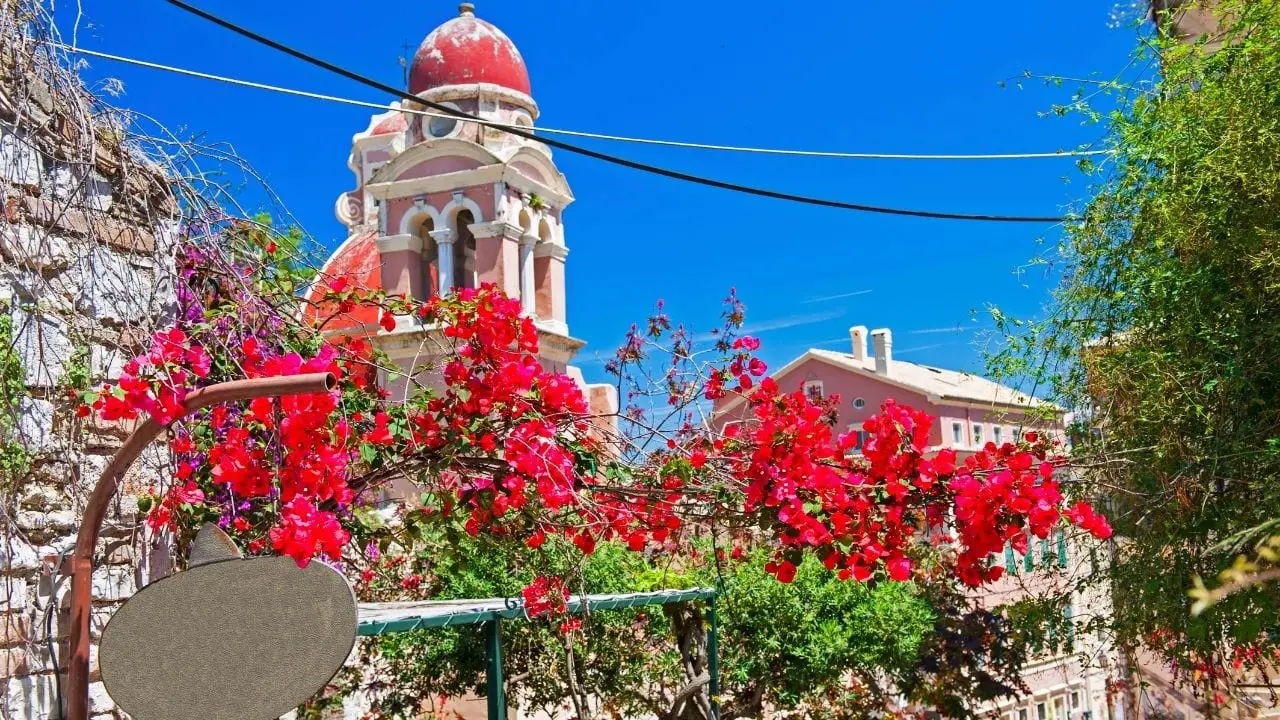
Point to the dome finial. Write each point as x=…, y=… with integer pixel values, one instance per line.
x=466, y=8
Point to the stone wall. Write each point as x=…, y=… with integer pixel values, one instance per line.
x=87, y=236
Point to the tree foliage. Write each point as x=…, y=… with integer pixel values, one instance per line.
x=816, y=647
x=1165, y=333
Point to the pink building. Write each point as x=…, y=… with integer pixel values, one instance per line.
x=969, y=412
x=441, y=203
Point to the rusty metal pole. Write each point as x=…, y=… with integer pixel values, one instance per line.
x=96, y=510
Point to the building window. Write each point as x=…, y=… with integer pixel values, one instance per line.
x=957, y=433
x=1059, y=709
x=1017, y=435
x=1022, y=714
x=1042, y=712
x=995, y=434
x=1075, y=699
x=859, y=403
x=464, y=252
x=438, y=127
x=813, y=390
x=977, y=435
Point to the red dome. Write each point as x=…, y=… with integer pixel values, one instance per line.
x=355, y=265
x=466, y=51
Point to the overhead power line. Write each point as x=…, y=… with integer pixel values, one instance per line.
x=606, y=157
x=584, y=133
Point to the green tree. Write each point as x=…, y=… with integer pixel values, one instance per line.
x=817, y=647
x=1165, y=333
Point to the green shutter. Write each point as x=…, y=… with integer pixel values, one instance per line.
x=1062, y=550
x=1010, y=561
x=1029, y=560
x=1046, y=554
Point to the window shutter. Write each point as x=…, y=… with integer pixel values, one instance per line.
x=1010, y=561
x=1062, y=550
x=1029, y=560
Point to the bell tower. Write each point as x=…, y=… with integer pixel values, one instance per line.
x=442, y=204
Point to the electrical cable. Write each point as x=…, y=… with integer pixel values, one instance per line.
x=583, y=133
x=606, y=157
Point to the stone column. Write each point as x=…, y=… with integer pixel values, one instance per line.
x=444, y=256
x=528, y=295
x=401, y=257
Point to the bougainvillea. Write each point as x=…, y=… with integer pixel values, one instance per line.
x=510, y=450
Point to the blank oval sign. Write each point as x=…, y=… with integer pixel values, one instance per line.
x=234, y=639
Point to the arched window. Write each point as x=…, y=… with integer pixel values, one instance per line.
x=430, y=259
x=464, y=251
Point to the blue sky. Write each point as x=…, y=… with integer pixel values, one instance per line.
x=883, y=77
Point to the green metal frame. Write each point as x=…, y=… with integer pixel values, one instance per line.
x=492, y=621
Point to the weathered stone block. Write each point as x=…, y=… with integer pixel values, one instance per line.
x=14, y=662
x=113, y=583
x=17, y=556
x=19, y=159
x=42, y=496
x=43, y=344
x=33, y=697
x=14, y=594
x=47, y=522
x=15, y=629
x=121, y=554
x=35, y=425
x=34, y=247
x=110, y=288
x=114, y=232
x=98, y=193
x=106, y=363
x=99, y=700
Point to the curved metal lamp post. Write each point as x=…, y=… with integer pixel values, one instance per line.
x=96, y=510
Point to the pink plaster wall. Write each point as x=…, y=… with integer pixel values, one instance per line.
x=498, y=262
x=530, y=171
x=849, y=384
x=402, y=273
x=439, y=166
x=481, y=195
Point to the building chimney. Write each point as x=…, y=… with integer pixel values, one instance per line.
x=882, y=346
x=858, y=334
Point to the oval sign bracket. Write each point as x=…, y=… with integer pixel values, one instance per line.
x=230, y=637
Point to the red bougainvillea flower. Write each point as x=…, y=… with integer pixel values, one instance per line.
x=545, y=596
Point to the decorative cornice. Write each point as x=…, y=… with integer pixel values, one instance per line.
x=470, y=90
x=444, y=236
x=448, y=182
x=495, y=228
x=551, y=250
x=399, y=243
